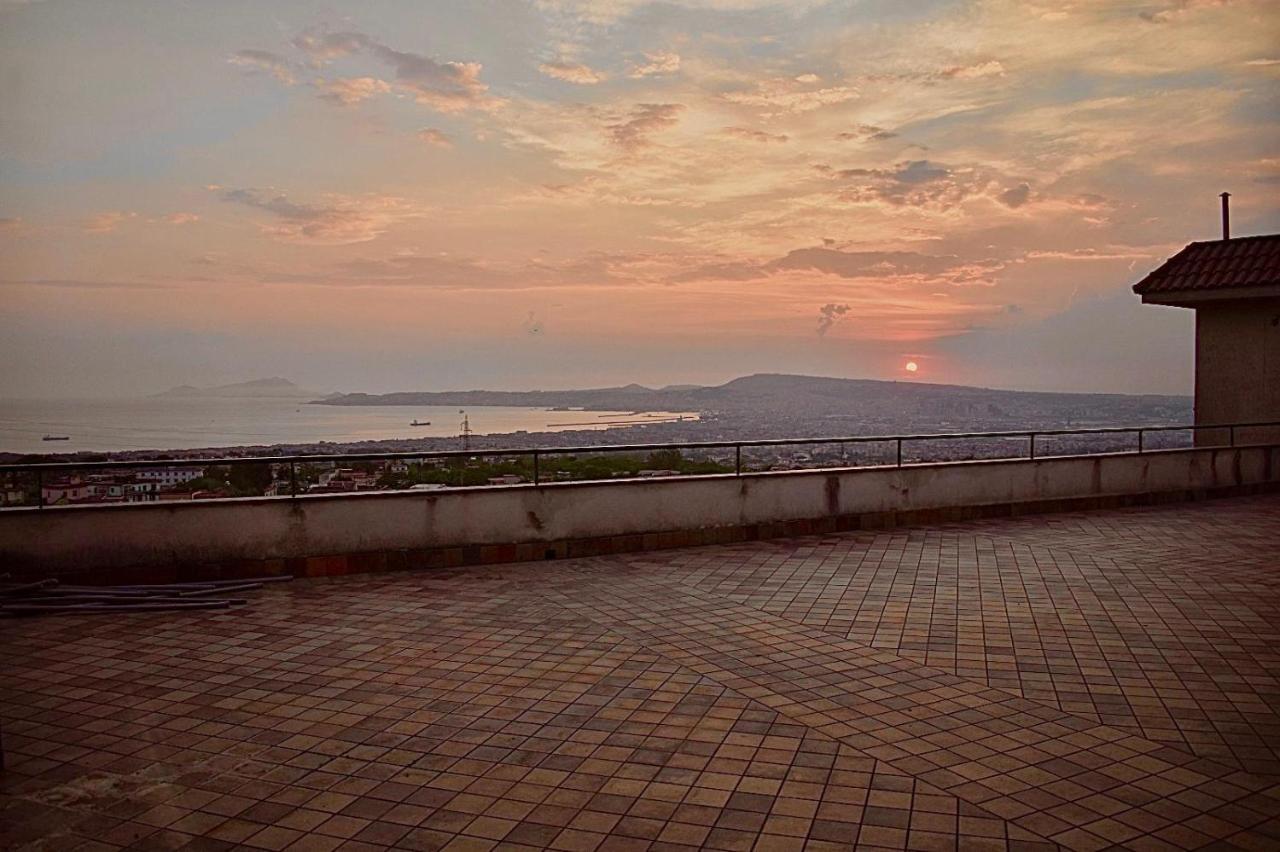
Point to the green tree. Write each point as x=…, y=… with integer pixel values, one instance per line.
x=204, y=483
x=665, y=460
x=248, y=480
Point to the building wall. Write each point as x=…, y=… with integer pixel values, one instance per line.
x=329, y=533
x=1237, y=367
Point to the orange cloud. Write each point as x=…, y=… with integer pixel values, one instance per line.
x=105, y=223
x=656, y=64
x=348, y=91
x=266, y=61
x=447, y=86
x=336, y=220
x=644, y=121
x=756, y=135
x=792, y=94
x=435, y=137
x=572, y=72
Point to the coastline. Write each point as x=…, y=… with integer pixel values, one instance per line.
x=644, y=433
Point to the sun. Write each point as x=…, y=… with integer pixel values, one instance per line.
x=912, y=366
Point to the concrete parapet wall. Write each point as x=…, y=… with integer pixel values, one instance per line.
x=335, y=534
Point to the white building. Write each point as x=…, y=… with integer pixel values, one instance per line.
x=167, y=477
x=122, y=490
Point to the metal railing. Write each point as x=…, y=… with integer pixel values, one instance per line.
x=43, y=469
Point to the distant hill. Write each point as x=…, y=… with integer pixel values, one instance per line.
x=272, y=388
x=817, y=397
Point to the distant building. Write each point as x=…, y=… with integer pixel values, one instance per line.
x=166, y=477
x=344, y=479
x=279, y=488
x=506, y=479
x=62, y=492
x=100, y=488
x=108, y=488
x=209, y=494
x=1233, y=285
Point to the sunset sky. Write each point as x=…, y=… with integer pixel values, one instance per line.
x=565, y=193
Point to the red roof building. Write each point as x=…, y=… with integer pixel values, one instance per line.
x=1240, y=268
x=1234, y=287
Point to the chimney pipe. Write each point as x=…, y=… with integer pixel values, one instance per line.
x=1226, y=215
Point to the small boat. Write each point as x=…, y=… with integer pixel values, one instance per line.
x=56, y=438
x=420, y=423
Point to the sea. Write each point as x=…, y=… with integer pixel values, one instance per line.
x=105, y=425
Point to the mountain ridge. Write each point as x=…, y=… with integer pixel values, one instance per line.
x=273, y=387
x=818, y=396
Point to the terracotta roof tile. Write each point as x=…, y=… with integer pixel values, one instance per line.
x=1218, y=265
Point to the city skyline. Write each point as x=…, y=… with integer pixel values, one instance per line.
x=575, y=193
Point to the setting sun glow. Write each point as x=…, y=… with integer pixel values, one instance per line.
x=542, y=185
x=912, y=366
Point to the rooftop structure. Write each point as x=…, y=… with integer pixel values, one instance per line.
x=1233, y=284
x=1101, y=679
x=1238, y=268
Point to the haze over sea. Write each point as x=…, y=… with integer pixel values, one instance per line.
x=103, y=425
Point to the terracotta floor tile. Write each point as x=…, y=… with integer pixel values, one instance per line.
x=1082, y=679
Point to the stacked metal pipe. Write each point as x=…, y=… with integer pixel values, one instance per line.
x=50, y=597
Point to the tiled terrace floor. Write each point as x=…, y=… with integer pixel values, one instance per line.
x=1087, y=680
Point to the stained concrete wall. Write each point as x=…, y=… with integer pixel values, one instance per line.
x=1238, y=368
x=341, y=533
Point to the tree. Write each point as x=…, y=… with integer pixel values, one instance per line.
x=666, y=460
x=249, y=479
x=204, y=483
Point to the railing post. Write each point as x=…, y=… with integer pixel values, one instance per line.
x=39, y=489
x=1231, y=435
x=1032, y=435
x=1140, y=431
x=737, y=460
x=537, y=474
x=899, y=452
x=293, y=479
